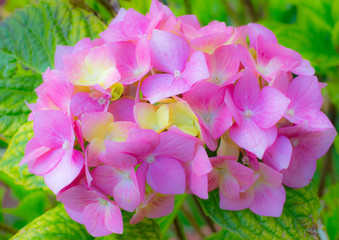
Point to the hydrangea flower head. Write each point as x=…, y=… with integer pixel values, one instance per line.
x=159, y=106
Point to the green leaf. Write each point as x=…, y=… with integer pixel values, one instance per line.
x=296, y=222
x=330, y=212
x=222, y=235
x=166, y=221
x=146, y=229
x=54, y=224
x=27, y=43
x=14, y=154
x=30, y=207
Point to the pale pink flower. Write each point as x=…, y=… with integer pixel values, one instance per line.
x=207, y=101
x=169, y=54
x=100, y=215
x=50, y=152
x=256, y=112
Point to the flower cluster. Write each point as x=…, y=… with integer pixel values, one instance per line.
x=124, y=121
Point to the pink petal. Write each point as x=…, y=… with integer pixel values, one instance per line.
x=122, y=109
x=134, y=24
x=198, y=184
x=278, y=155
x=127, y=195
x=241, y=173
x=244, y=201
x=305, y=93
x=209, y=42
x=52, y=128
x=246, y=91
x=196, y=68
x=229, y=187
x=304, y=68
x=102, y=220
x=166, y=176
x=161, y=206
x=141, y=178
x=32, y=151
x=59, y=89
x=255, y=29
x=301, y=168
x=47, y=161
x=83, y=45
x=77, y=198
x=105, y=178
x=82, y=102
x=160, y=86
x=143, y=55
x=201, y=164
x=282, y=81
x=114, y=33
x=176, y=146
x=269, y=176
x=192, y=20
x=113, y=218
x=75, y=215
x=223, y=64
x=237, y=115
x=65, y=172
x=268, y=201
x=169, y=52
x=60, y=51
x=272, y=105
x=253, y=138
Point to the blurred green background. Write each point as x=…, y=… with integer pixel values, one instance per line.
x=310, y=27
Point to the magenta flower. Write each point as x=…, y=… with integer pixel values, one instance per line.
x=208, y=38
x=117, y=178
x=50, y=152
x=224, y=64
x=233, y=179
x=90, y=65
x=100, y=215
x=255, y=112
x=169, y=54
x=96, y=100
x=207, y=102
x=156, y=205
x=306, y=100
x=133, y=61
x=308, y=143
x=130, y=26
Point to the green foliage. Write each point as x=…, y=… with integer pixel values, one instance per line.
x=14, y=154
x=330, y=213
x=27, y=44
x=146, y=229
x=296, y=222
x=137, y=5
x=54, y=224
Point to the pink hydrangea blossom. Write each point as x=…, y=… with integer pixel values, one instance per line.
x=160, y=105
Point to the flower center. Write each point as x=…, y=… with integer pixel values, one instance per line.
x=150, y=159
x=65, y=145
x=207, y=117
x=290, y=112
x=177, y=74
x=103, y=202
x=295, y=142
x=248, y=114
x=102, y=101
x=245, y=160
